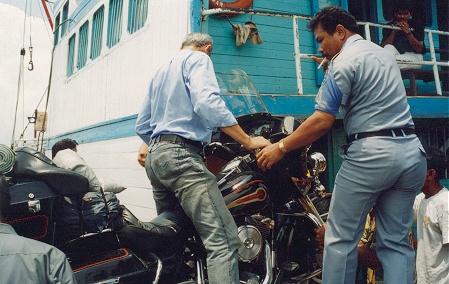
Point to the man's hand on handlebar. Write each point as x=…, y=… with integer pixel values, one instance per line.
x=257, y=142
x=250, y=143
x=269, y=156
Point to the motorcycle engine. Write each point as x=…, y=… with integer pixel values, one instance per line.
x=251, y=242
x=252, y=234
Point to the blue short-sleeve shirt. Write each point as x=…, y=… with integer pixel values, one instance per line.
x=364, y=84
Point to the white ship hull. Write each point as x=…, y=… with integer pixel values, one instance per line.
x=111, y=87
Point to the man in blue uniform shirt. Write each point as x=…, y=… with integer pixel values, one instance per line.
x=383, y=163
x=181, y=109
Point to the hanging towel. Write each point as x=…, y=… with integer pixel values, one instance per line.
x=242, y=33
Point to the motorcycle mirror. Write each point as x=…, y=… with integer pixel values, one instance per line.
x=288, y=125
x=317, y=162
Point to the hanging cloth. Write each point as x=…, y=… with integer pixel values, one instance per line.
x=245, y=32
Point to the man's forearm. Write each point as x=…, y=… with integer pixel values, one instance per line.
x=237, y=133
x=310, y=130
x=416, y=44
x=389, y=39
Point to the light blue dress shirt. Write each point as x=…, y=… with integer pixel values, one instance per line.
x=183, y=98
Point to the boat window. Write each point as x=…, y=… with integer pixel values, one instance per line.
x=422, y=10
x=56, y=33
x=71, y=56
x=65, y=13
x=97, y=33
x=114, y=22
x=82, y=45
x=137, y=14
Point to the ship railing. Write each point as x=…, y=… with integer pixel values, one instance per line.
x=297, y=46
x=434, y=62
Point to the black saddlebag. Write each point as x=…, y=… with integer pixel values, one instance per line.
x=31, y=210
x=114, y=266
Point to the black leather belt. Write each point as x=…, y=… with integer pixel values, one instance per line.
x=398, y=132
x=173, y=138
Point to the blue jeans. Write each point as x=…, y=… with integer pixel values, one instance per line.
x=178, y=176
x=385, y=170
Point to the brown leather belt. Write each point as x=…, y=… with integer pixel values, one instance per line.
x=173, y=138
x=397, y=132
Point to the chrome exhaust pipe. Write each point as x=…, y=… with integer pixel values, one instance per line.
x=268, y=265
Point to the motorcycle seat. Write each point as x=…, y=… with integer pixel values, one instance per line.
x=33, y=164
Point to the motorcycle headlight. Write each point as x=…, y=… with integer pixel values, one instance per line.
x=316, y=163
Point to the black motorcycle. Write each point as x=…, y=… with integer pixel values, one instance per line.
x=275, y=211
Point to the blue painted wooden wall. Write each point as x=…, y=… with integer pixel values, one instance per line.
x=270, y=65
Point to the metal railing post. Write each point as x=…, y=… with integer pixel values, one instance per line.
x=296, y=55
x=434, y=65
x=367, y=32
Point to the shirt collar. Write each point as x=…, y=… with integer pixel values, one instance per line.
x=7, y=229
x=349, y=41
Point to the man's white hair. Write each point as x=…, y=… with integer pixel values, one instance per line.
x=197, y=40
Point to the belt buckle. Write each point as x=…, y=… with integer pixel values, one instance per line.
x=398, y=132
x=393, y=132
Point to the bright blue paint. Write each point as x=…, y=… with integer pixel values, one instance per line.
x=429, y=107
x=195, y=10
x=344, y=4
x=113, y=129
x=300, y=107
x=270, y=65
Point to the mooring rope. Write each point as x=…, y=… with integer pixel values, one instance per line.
x=7, y=159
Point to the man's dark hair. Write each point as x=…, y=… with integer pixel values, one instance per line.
x=436, y=160
x=402, y=6
x=62, y=145
x=330, y=17
x=5, y=198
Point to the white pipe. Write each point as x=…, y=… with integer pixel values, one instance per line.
x=297, y=57
x=435, y=67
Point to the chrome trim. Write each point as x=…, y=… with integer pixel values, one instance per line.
x=268, y=265
x=159, y=268
x=200, y=271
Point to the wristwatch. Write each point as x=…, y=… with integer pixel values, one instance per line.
x=282, y=147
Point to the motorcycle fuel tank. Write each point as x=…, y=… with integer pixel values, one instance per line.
x=244, y=191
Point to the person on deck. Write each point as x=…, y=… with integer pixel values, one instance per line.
x=406, y=44
x=64, y=154
x=383, y=162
